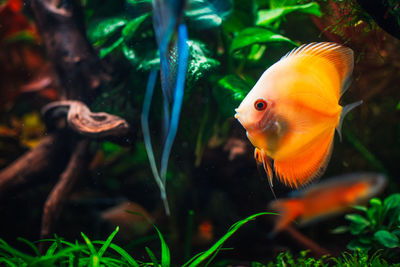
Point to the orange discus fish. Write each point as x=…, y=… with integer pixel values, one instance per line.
x=290, y=115
x=328, y=198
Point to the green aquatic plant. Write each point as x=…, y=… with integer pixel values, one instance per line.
x=360, y=259
x=241, y=42
x=105, y=253
x=378, y=227
x=346, y=259
x=63, y=253
x=287, y=259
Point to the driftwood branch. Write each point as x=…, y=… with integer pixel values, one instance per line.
x=54, y=203
x=61, y=26
x=87, y=123
x=32, y=164
x=80, y=74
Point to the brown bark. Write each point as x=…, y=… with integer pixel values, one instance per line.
x=54, y=203
x=94, y=125
x=32, y=164
x=80, y=73
x=61, y=26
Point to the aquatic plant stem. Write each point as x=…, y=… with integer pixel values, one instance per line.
x=189, y=235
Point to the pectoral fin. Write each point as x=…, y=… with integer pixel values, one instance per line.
x=262, y=158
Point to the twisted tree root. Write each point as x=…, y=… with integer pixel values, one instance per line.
x=55, y=201
x=35, y=163
x=87, y=123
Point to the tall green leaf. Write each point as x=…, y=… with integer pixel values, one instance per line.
x=196, y=260
x=266, y=17
x=230, y=92
x=108, y=242
x=129, y=30
x=387, y=239
x=100, y=31
x=392, y=201
x=257, y=35
x=358, y=223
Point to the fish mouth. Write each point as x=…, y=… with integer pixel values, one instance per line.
x=237, y=113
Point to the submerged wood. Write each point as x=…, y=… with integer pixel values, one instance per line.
x=62, y=29
x=33, y=164
x=55, y=201
x=90, y=124
x=81, y=74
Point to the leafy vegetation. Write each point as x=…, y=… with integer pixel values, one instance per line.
x=132, y=36
x=243, y=39
x=354, y=259
x=377, y=228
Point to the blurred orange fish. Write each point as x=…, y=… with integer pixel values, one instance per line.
x=205, y=233
x=291, y=113
x=328, y=198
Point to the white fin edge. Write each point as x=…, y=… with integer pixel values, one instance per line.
x=346, y=109
x=346, y=84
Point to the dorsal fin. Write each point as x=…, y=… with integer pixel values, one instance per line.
x=341, y=57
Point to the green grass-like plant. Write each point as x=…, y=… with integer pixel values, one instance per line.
x=104, y=253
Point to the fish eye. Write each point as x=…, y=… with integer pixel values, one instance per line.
x=260, y=104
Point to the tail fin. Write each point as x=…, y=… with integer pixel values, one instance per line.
x=346, y=110
x=289, y=210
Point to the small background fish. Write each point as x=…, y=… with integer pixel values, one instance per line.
x=328, y=198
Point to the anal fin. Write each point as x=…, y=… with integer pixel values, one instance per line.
x=308, y=164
